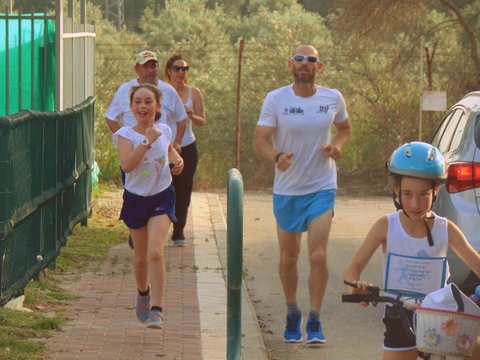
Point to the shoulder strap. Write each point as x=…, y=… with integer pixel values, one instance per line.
x=190, y=93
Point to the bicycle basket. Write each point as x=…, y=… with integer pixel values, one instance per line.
x=446, y=333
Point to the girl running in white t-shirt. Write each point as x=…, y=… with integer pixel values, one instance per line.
x=146, y=155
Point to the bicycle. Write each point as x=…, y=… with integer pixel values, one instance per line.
x=438, y=333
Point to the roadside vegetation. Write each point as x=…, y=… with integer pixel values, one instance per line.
x=22, y=334
x=380, y=54
x=375, y=52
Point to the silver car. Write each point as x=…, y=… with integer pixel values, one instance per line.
x=458, y=138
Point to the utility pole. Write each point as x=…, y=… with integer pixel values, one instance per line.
x=421, y=91
x=115, y=12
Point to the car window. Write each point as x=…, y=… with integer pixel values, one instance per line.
x=441, y=129
x=457, y=136
x=447, y=131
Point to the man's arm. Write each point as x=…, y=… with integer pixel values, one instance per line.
x=113, y=125
x=262, y=142
x=343, y=133
x=116, y=108
x=181, y=127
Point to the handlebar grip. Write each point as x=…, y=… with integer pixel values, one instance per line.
x=356, y=298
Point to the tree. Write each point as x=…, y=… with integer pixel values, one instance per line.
x=371, y=50
x=115, y=53
x=198, y=32
x=380, y=19
x=29, y=6
x=470, y=32
x=381, y=66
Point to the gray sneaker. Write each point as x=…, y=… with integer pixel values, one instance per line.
x=155, y=319
x=179, y=243
x=143, y=307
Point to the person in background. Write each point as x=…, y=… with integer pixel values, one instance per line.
x=120, y=114
x=145, y=151
x=417, y=169
x=176, y=74
x=294, y=133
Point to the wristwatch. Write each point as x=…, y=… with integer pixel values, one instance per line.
x=145, y=141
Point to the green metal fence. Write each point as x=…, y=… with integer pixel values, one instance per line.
x=27, y=62
x=45, y=188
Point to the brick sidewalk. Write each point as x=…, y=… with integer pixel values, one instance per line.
x=103, y=323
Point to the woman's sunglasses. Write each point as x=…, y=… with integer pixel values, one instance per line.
x=178, y=68
x=301, y=58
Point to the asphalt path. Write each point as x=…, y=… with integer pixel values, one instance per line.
x=352, y=332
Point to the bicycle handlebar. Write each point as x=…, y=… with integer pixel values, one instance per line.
x=374, y=297
x=398, y=310
x=370, y=298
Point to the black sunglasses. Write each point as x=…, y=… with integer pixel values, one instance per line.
x=301, y=58
x=178, y=68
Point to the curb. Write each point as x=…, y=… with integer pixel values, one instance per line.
x=253, y=346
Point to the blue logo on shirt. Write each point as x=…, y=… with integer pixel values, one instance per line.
x=294, y=110
x=322, y=109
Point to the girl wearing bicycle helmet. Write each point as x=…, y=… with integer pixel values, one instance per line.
x=414, y=240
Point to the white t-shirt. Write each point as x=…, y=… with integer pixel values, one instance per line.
x=302, y=126
x=152, y=174
x=172, y=110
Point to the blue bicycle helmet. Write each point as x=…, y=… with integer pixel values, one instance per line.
x=418, y=159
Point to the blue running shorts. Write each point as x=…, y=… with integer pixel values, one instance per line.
x=137, y=210
x=294, y=213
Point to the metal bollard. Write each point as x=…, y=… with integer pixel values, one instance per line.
x=234, y=263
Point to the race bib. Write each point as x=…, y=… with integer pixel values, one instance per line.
x=414, y=276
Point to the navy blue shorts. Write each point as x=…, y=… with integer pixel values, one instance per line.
x=137, y=210
x=396, y=338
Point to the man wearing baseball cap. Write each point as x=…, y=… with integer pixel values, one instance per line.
x=172, y=113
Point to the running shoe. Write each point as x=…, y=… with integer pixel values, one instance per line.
x=155, y=319
x=179, y=240
x=293, y=333
x=179, y=243
x=314, y=332
x=143, y=307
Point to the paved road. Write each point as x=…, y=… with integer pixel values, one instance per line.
x=352, y=332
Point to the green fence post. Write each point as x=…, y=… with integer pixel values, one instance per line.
x=234, y=263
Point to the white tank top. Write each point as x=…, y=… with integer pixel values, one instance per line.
x=401, y=243
x=189, y=136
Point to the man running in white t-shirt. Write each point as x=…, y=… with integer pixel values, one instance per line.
x=293, y=132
